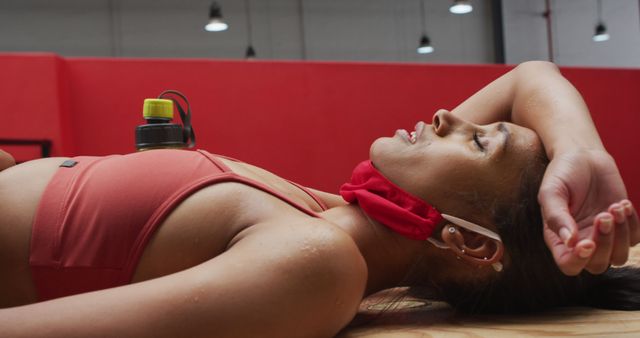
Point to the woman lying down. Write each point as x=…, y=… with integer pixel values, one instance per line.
x=183, y=243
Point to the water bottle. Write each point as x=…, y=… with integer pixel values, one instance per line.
x=159, y=131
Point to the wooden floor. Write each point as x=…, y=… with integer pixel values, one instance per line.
x=414, y=318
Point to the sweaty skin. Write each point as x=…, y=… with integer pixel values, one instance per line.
x=588, y=221
x=238, y=262
x=214, y=267
x=209, y=251
x=229, y=242
x=458, y=155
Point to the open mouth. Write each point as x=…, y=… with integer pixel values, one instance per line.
x=404, y=134
x=413, y=136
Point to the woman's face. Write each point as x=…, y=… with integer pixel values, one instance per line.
x=453, y=161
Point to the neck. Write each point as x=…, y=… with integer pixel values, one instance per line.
x=389, y=256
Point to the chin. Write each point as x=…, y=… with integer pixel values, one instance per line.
x=378, y=147
x=384, y=150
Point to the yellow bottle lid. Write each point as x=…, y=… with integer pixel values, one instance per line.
x=157, y=108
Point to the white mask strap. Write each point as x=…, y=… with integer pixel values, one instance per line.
x=471, y=227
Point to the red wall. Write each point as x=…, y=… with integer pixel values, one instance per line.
x=613, y=97
x=307, y=121
x=34, y=102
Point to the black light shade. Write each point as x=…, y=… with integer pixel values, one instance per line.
x=215, y=24
x=214, y=11
x=601, y=33
x=425, y=45
x=250, y=53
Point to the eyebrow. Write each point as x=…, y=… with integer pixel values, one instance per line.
x=502, y=127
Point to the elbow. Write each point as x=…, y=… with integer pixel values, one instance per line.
x=532, y=77
x=537, y=66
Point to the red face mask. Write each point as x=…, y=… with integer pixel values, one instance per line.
x=400, y=211
x=388, y=204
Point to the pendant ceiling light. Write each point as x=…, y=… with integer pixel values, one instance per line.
x=461, y=7
x=215, y=24
x=425, y=43
x=249, y=53
x=601, y=30
x=601, y=33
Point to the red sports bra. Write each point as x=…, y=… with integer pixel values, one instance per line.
x=98, y=213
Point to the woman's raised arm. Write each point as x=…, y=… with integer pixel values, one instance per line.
x=292, y=280
x=581, y=181
x=535, y=95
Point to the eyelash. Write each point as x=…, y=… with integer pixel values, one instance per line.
x=477, y=140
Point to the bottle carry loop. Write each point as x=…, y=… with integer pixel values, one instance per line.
x=189, y=136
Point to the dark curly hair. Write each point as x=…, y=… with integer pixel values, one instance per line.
x=532, y=281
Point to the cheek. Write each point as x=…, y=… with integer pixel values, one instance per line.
x=449, y=172
x=448, y=162
x=429, y=171
x=443, y=176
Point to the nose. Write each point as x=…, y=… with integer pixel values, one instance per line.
x=444, y=122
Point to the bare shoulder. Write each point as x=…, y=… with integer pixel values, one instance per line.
x=291, y=276
x=307, y=247
x=315, y=243
x=312, y=265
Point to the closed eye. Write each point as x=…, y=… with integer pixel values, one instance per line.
x=477, y=141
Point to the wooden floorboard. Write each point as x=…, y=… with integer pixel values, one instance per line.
x=409, y=318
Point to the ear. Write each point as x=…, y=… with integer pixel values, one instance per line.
x=473, y=247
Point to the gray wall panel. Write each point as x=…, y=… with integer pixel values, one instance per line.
x=573, y=25
x=368, y=30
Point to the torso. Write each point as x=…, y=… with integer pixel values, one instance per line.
x=204, y=225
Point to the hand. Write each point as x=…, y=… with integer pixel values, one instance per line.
x=588, y=222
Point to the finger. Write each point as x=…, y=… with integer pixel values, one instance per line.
x=618, y=212
x=569, y=261
x=584, y=250
x=633, y=221
x=603, y=237
x=620, y=252
x=555, y=213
